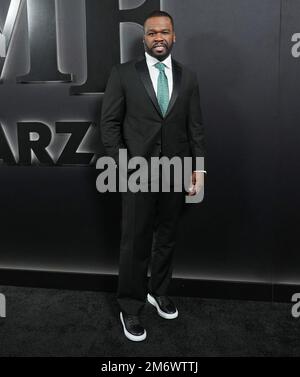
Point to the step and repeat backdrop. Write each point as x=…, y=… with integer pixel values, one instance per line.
x=55, y=59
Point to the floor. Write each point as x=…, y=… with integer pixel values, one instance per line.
x=51, y=322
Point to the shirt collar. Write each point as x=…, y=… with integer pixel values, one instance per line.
x=152, y=61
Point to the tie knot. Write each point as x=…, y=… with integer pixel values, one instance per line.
x=160, y=67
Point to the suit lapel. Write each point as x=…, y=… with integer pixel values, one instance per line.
x=143, y=71
x=177, y=73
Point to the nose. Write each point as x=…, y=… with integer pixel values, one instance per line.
x=158, y=37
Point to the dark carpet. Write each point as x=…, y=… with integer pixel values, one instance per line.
x=51, y=322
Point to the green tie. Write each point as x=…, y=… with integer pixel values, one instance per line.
x=162, y=88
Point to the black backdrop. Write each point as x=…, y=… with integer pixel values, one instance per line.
x=52, y=82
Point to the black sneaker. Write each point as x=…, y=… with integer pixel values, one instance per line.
x=164, y=305
x=132, y=327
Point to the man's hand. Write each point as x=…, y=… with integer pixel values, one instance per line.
x=196, y=183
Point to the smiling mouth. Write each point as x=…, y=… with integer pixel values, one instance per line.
x=159, y=48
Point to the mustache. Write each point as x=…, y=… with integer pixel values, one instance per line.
x=160, y=44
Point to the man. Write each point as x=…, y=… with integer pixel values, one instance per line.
x=151, y=108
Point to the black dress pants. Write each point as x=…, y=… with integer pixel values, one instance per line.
x=144, y=215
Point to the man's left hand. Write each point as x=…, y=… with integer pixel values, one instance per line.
x=197, y=183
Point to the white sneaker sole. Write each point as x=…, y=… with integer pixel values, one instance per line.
x=153, y=302
x=135, y=338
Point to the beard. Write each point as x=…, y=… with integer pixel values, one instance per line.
x=159, y=51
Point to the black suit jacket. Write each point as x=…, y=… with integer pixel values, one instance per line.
x=131, y=117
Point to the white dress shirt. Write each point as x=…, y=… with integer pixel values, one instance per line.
x=154, y=72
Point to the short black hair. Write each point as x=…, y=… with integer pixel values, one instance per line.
x=160, y=13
